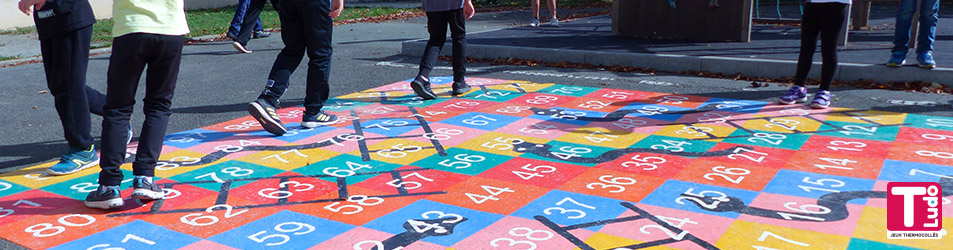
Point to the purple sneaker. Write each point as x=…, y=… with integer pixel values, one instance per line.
x=794, y=95
x=821, y=100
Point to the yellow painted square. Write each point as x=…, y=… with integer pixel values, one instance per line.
x=177, y=162
x=868, y=116
x=873, y=226
x=498, y=143
x=698, y=132
x=750, y=235
x=527, y=86
x=289, y=159
x=370, y=95
x=607, y=241
x=602, y=137
x=783, y=124
x=399, y=151
x=36, y=176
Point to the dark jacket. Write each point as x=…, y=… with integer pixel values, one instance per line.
x=58, y=17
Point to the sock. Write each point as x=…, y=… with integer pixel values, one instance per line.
x=147, y=178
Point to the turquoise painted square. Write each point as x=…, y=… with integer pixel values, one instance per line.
x=575, y=91
x=861, y=244
x=408, y=101
x=493, y=95
x=674, y=144
x=930, y=122
x=566, y=152
x=861, y=131
x=768, y=139
x=10, y=188
x=345, y=165
x=80, y=187
x=229, y=170
x=338, y=104
x=463, y=161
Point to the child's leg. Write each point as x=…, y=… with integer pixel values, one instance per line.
x=125, y=68
x=535, y=5
x=248, y=21
x=437, y=26
x=161, y=76
x=290, y=56
x=65, y=59
x=927, y=28
x=810, y=28
x=834, y=15
x=458, y=32
x=551, y=5
x=317, y=35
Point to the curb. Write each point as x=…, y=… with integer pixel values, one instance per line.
x=39, y=59
x=678, y=63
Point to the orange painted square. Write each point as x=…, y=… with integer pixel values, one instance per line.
x=658, y=165
x=293, y=190
x=772, y=157
x=837, y=145
x=239, y=216
x=505, y=203
x=547, y=174
x=613, y=184
x=727, y=175
x=924, y=153
x=76, y=214
x=367, y=213
x=414, y=184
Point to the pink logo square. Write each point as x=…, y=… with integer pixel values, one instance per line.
x=914, y=206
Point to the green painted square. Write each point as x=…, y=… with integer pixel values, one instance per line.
x=463, y=161
x=768, y=139
x=493, y=95
x=861, y=244
x=338, y=104
x=564, y=152
x=575, y=91
x=930, y=122
x=348, y=166
x=10, y=188
x=78, y=188
x=861, y=131
x=674, y=144
x=229, y=170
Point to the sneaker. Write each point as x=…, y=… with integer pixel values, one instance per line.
x=240, y=47
x=925, y=60
x=897, y=59
x=794, y=95
x=105, y=197
x=74, y=160
x=144, y=189
x=320, y=118
x=460, y=88
x=267, y=115
x=554, y=22
x=821, y=100
x=534, y=22
x=422, y=88
x=260, y=34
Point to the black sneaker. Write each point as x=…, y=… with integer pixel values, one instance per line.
x=267, y=115
x=422, y=88
x=104, y=198
x=320, y=118
x=144, y=189
x=460, y=87
x=260, y=34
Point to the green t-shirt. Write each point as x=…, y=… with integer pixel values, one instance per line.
x=164, y=17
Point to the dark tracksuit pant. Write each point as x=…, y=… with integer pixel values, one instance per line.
x=249, y=21
x=159, y=56
x=305, y=28
x=65, y=59
x=437, y=22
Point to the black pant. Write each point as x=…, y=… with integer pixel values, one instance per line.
x=130, y=55
x=437, y=26
x=305, y=27
x=65, y=59
x=826, y=19
x=251, y=19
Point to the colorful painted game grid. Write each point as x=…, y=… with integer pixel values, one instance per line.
x=510, y=165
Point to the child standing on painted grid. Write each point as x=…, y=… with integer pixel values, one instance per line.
x=148, y=34
x=305, y=27
x=824, y=17
x=65, y=29
x=441, y=13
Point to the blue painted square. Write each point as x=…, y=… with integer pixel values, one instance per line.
x=390, y=127
x=811, y=185
x=570, y=116
x=475, y=220
x=670, y=195
x=295, y=132
x=894, y=170
x=189, y=138
x=567, y=208
x=732, y=105
x=133, y=235
x=653, y=111
x=484, y=121
x=301, y=231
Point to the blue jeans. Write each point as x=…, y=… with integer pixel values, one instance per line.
x=236, y=24
x=927, y=28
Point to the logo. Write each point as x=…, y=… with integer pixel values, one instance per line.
x=914, y=210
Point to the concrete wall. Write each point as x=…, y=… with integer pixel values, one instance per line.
x=11, y=17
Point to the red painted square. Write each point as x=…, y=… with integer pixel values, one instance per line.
x=942, y=138
x=750, y=177
x=447, y=135
x=613, y=184
x=421, y=181
x=837, y=145
x=756, y=156
x=925, y=153
x=515, y=229
x=835, y=164
x=534, y=172
x=69, y=223
x=658, y=165
x=509, y=108
x=465, y=105
x=540, y=100
x=203, y=221
x=619, y=95
x=490, y=195
x=362, y=205
x=30, y=203
x=269, y=191
x=245, y=124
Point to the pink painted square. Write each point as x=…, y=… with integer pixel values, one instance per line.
x=346, y=137
x=515, y=229
x=235, y=144
x=799, y=206
x=207, y=245
x=706, y=227
x=363, y=238
x=448, y=135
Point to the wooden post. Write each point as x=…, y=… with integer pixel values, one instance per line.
x=860, y=14
x=842, y=37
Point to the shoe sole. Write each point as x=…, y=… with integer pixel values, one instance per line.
x=81, y=168
x=461, y=91
x=819, y=106
x=270, y=125
x=106, y=204
x=316, y=124
x=240, y=48
x=927, y=66
x=146, y=194
x=802, y=100
x=419, y=90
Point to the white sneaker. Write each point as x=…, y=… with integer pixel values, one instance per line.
x=534, y=23
x=554, y=22
x=240, y=47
